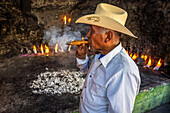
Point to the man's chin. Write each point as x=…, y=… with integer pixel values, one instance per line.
x=97, y=52
x=94, y=51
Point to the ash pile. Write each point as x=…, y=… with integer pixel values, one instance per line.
x=58, y=82
x=40, y=84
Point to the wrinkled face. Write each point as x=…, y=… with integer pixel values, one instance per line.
x=95, y=38
x=102, y=42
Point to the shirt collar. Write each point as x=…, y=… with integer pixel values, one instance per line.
x=107, y=58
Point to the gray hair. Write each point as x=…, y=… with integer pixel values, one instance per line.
x=104, y=30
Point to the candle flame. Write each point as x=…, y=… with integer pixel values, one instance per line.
x=159, y=63
x=134, y=57
x=127, y=51
x=131, y=54
x=41, y=48
x=142, y=56
x=149, y=62
x=65, y=19
x=69, y=20
x=61, y=50
x=56, y=48
x=69, y=48
x=145, y=57
x=46, y=49
x=34, y=49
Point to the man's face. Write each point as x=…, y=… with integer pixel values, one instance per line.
x=102, y=42
x=95, y=38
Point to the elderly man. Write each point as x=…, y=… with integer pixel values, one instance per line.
x=113, y=79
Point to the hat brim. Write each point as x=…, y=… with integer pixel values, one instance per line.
x=106, y=22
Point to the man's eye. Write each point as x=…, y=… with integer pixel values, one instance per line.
x=92, y=31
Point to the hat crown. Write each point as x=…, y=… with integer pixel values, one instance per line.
x=108, y=16
x=112, y=12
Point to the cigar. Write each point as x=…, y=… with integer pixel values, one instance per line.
x=77, y=42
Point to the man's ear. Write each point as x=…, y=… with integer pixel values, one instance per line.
x=108, y=37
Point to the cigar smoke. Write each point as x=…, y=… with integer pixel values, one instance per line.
x=55, y=35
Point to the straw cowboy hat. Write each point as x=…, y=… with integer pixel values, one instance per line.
x=107, y=16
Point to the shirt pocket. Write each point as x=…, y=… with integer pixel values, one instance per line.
x=98, y=94
x=97, y=90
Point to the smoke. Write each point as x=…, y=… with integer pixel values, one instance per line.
x=55, y=35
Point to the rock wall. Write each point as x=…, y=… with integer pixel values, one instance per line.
x=146, y=19
x=18, y=30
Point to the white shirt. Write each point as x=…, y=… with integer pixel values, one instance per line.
x=112, y=83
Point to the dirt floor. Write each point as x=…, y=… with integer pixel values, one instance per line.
x=15, y=77
x=16, y=74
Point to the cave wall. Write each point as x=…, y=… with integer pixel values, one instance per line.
x=146, y=19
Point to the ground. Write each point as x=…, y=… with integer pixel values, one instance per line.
x=18, y=72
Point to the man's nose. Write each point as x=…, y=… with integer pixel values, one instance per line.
x=88, y=34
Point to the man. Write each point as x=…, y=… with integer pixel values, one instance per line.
x=113, y=79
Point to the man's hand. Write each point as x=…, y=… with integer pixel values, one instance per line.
x=81, y=51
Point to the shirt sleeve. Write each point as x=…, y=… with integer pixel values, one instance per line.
x=82, y=64
x=122, y=92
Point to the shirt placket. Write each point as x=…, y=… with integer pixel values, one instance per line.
x=90, y=76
